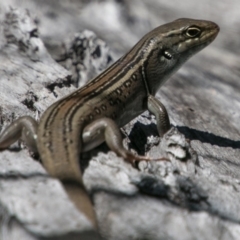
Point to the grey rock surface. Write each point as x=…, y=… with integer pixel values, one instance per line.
x=29, y=83
x=195, y=195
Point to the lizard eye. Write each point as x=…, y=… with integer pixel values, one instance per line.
x=193, y=32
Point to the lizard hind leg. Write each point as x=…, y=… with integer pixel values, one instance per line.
x=112, y=135
x=24, y=128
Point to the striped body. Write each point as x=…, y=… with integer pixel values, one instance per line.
x=94, y=113
x=109, y=95
x=119, y=93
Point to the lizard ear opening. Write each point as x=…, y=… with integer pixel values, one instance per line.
x=167, y=54
x=193, y=32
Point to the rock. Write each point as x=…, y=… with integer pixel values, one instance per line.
x=195, y=194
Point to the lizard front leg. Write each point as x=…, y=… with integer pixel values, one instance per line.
x=24, y=128
x=159, y=111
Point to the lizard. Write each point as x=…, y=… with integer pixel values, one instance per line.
x=95, y=113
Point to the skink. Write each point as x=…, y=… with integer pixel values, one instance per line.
x=94, y=113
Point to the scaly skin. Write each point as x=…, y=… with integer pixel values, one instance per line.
x=94, y=113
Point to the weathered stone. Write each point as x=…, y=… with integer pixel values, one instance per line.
x=195, y=195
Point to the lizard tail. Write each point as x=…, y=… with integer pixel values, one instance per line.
x=79, y=196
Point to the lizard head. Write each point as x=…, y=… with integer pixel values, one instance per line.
x=167, y=47
x=184, y=37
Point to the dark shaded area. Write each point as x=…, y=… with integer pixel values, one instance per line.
x=149, y=185
x=30, y=100
x=97, y=53
x=138, y=136
x=88, y=235
x=16, y=175
x=66, y=82
x=205, y=137
x=189, y=196
x=193, y=196
x=34, y=33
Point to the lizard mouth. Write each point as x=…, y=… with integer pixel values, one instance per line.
x=211, y=33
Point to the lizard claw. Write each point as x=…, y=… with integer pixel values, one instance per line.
x=133, y=159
